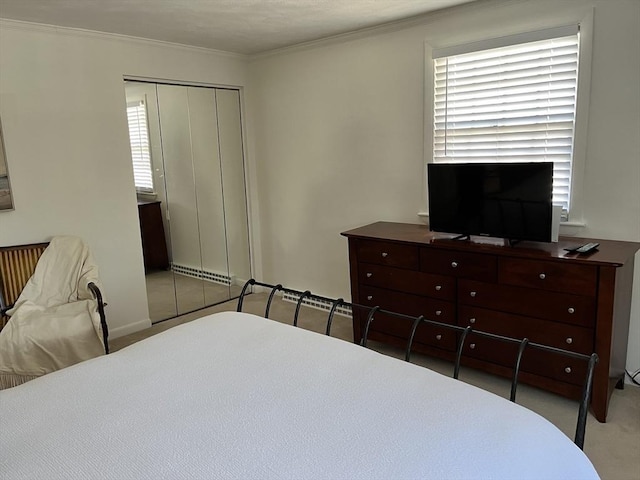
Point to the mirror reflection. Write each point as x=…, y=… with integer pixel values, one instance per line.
x=186, y=145
x=6, y=200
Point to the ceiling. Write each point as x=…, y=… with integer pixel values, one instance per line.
x=239, y=26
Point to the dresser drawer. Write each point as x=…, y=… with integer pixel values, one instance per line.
x=555, y=276
x=459, y=264
x=554, y=334
x=412, y=305
x=538, y=362
x=562, y=307
x=390, y=254
x=419, y=283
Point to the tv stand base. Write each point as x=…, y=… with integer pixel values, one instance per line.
x=462, y=237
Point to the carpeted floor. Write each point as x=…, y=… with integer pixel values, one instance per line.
x=612, y=447
x=171, y=294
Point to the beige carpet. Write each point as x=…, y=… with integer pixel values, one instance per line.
x=612, y=447
x=171, y=294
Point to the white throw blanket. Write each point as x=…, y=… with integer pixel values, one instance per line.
x=55, y=322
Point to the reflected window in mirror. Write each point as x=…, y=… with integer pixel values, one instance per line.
x=140, y=148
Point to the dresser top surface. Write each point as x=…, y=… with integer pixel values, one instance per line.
x=610, y=252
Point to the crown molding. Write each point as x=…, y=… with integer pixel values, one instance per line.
x=80, y=32
x=423, y=19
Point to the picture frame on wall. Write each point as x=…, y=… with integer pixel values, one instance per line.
x=6, y=199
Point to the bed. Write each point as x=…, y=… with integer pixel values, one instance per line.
x=234, y=395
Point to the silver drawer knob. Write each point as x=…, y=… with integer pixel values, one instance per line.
x=384, y=254
x=542, y=276
x=369, y=297
x=567, y=369
x=438, y=287
x=438, y=312
x=472, y=346
x=438, y=337
x=473, y=294
x=454, y=264
x=571, y=310
x=472, y=320
x=569, y=340
x=369, y=274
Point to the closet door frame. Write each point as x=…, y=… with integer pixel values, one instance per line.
x=249, y=197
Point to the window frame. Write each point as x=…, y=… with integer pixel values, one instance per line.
x=574, y=220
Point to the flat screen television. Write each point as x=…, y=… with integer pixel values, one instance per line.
x=506, y=200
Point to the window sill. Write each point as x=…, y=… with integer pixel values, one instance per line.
x=571, y=229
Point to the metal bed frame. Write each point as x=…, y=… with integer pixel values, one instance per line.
x=463, y=332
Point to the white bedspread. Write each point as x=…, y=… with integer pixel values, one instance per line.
x=238, y=396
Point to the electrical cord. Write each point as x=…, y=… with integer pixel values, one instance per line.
x=633, y=376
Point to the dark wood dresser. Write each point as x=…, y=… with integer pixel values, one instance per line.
x=154, y=243
x=534, y=290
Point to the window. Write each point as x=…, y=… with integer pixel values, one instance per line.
x=509, y=103
x=140, y=149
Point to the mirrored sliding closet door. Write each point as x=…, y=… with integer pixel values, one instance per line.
x=192, y=198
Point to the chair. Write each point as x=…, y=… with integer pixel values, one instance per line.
x=17, y=265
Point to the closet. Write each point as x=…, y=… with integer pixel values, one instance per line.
x=195, y=204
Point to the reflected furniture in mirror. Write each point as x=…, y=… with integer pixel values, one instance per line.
x=6, y=199
x=188, y=159
x=154, y=244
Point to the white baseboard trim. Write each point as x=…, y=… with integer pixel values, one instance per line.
x=128, y=328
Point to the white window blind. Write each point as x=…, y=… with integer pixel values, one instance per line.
x=140, y=150
x=510, y=104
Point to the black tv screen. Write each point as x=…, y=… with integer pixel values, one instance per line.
x=508, y=200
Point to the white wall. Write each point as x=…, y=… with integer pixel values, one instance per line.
x=338, y=135
x=62, y=105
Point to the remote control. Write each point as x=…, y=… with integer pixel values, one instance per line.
x=587, y=247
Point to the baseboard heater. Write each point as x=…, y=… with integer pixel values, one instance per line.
x=202, y=274
x=315, y=302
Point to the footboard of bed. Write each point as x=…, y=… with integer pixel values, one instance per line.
x=462, y=334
